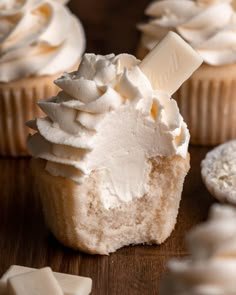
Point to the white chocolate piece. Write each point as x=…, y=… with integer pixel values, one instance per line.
x=74, y=285
x=36, y=282
x=70, y=284
x=170, y=63
x=14, y=270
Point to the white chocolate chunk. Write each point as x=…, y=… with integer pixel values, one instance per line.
x=36, y=282
x=74, y=285
x=170, y=63
x=70, y=284
x=14, y=270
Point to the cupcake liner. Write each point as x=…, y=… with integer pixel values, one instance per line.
x=207, y=101
x=218, y=172
x=18, y=104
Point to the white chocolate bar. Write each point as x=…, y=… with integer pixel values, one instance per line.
x=36, y=282
x=170, y=63
x=70, y=284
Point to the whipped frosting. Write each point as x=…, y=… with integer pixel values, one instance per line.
x=211, y=267
x=38, y=37
x=209, y=26
x=108, y=119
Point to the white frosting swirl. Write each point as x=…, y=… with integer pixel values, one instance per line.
x=209, y=26
x=211, y=268
x=38, y=37
x=108, y=117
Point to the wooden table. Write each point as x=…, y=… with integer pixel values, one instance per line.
x=24, y=239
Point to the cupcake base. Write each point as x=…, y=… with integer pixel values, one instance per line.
x=76, y=216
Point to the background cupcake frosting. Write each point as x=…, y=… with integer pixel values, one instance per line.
x=37, y=38
x=209, y=26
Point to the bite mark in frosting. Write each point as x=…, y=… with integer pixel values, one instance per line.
x=108, y=118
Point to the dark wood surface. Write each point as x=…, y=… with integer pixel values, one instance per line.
x=24, y=239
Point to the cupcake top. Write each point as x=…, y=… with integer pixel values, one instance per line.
x=211, y=267
x=38, y=37
x=108, y=118
x=209, y=26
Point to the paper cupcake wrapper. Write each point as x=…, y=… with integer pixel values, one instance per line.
x=208, y=106
x=58, y=212
x=18, y=104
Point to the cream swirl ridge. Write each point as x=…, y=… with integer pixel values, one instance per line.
x=38, y=37
x=209, y=26
x=108, y=117
x=211, y=268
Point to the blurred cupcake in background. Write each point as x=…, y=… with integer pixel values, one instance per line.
x=39, y=40
x=210, y=269
x=207, y=100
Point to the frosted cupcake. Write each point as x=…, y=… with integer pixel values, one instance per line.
x=38, y=41
x=112, y=154
x=211, y=267
x=207, y=100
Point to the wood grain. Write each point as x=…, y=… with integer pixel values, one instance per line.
x=24, y=239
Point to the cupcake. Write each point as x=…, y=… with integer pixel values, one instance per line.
x=207, y=100
x=211, y=267
x=111, y=155
x=39, y=40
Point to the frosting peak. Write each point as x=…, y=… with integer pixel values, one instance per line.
x=108, y=118
x=211, y=268
x=45, y=30
x=209, y=26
